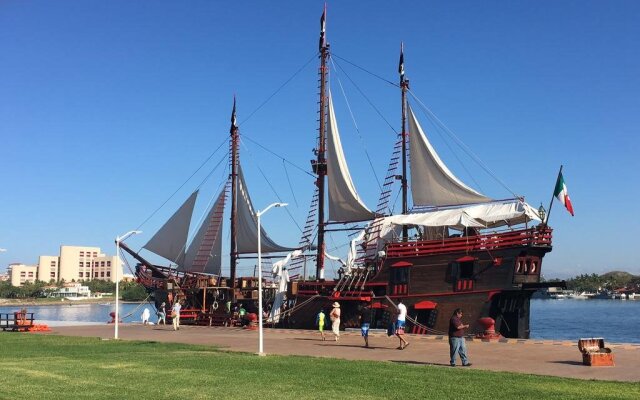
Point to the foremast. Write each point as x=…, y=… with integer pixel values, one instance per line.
x=404, y=86
x=234, y=196
x=320, y=165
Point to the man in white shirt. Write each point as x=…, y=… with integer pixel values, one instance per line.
x=175, y=315
x=400, y=324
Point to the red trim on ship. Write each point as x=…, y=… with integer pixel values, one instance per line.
x=425, y=305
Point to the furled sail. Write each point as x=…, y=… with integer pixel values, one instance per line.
x=205, y=251
x=344, y=202
x=432, y=184
x=486, y=215
x=247, y=225
x=170, y=240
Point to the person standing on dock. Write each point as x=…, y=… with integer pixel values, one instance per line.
x=365, y=323
x=335, y=320
x=162, y=313
x=320, y=321
x=145, y=316
x=175, y=315
x=456, y=339
x=400, y=324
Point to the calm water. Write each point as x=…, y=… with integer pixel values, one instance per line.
x=617, y=321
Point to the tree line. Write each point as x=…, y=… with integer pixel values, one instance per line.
x=609, y=281
x=129, y=291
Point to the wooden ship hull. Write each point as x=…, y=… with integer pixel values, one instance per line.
x=485, y=275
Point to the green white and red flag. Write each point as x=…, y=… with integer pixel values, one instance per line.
x=562, y=193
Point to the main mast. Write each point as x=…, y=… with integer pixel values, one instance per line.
x=404, y=86
x=321, y=162
x=234, y=196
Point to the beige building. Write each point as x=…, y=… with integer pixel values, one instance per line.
x=75, y=263
x=21, y=273
x=86, y=263
x=48, y=268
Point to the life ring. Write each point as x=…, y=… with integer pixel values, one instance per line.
x=214, y=306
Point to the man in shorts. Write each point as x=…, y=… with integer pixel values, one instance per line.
x=400, y=324
x=365, y=323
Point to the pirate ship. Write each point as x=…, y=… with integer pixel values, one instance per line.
x=455, y=247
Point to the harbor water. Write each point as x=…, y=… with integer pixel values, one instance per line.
x=617, y=321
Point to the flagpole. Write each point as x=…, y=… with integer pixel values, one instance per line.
x=552, y=196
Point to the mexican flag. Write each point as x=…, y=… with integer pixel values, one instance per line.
x=562, y=194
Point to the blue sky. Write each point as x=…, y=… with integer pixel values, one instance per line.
x=106, y=109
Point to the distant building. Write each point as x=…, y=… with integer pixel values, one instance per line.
x=71, y=290
x=21, y=273
x=75, y=263
x=48, y=268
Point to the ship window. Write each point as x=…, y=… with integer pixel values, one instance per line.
x=534, y=267
x=527, y=266
x=466, y=270
x=519, y=266
x=400, y=275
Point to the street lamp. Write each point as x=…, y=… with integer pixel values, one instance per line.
x=260, y=334
x=118, y=264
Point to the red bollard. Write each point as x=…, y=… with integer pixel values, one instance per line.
x=489, y=325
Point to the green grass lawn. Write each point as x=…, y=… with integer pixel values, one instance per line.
x=57, y=367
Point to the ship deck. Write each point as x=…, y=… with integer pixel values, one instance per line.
x=538, y=357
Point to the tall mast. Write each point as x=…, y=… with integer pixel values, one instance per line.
x=234, y=196
x=321, y=162
x=404, y=86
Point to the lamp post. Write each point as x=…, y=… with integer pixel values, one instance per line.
x=260, y=333
x=118, y=264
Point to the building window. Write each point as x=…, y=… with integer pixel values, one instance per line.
x=80, y=274
x=95, y=254
x=81, y=264
x=102, y=274
x=82, y=254
x=30, y=274
x=108, y=263
x=53, y=263
x=108, y=274
x=22, y=274
x=52, y=274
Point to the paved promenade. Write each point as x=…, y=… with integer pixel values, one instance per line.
x=561, y=359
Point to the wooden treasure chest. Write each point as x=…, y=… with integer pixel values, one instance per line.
x=594, y=353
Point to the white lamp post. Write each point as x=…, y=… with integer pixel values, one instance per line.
x=260, y=334
x=118, y=264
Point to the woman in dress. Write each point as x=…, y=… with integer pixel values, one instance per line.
x=335, y=320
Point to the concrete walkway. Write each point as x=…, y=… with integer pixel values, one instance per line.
x=562, y=359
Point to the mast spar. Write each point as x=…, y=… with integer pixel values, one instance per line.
x=234, y=197
x=320, y=165
x=404, y=86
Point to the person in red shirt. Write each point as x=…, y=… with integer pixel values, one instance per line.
x=456, y=339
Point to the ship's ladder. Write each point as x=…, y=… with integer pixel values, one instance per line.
x=307, y=233
x=211, y=235
x=373, y=231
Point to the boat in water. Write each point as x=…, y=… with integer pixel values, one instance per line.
x=454, y=247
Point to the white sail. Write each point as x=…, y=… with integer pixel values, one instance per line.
x=247, y=225
x=205, y=251
x=170, y=240
x=344, y=203
x=432, y=184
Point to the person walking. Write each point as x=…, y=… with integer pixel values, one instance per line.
x=320, y=321
x=175, y=315
x=146, y=314
x=456, y=339
x=400, y=324
x=162, y=313
x=335, y=320
x=365, y=323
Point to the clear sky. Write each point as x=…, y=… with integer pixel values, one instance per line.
x=107, y=107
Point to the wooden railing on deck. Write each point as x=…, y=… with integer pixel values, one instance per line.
x=538, y=236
